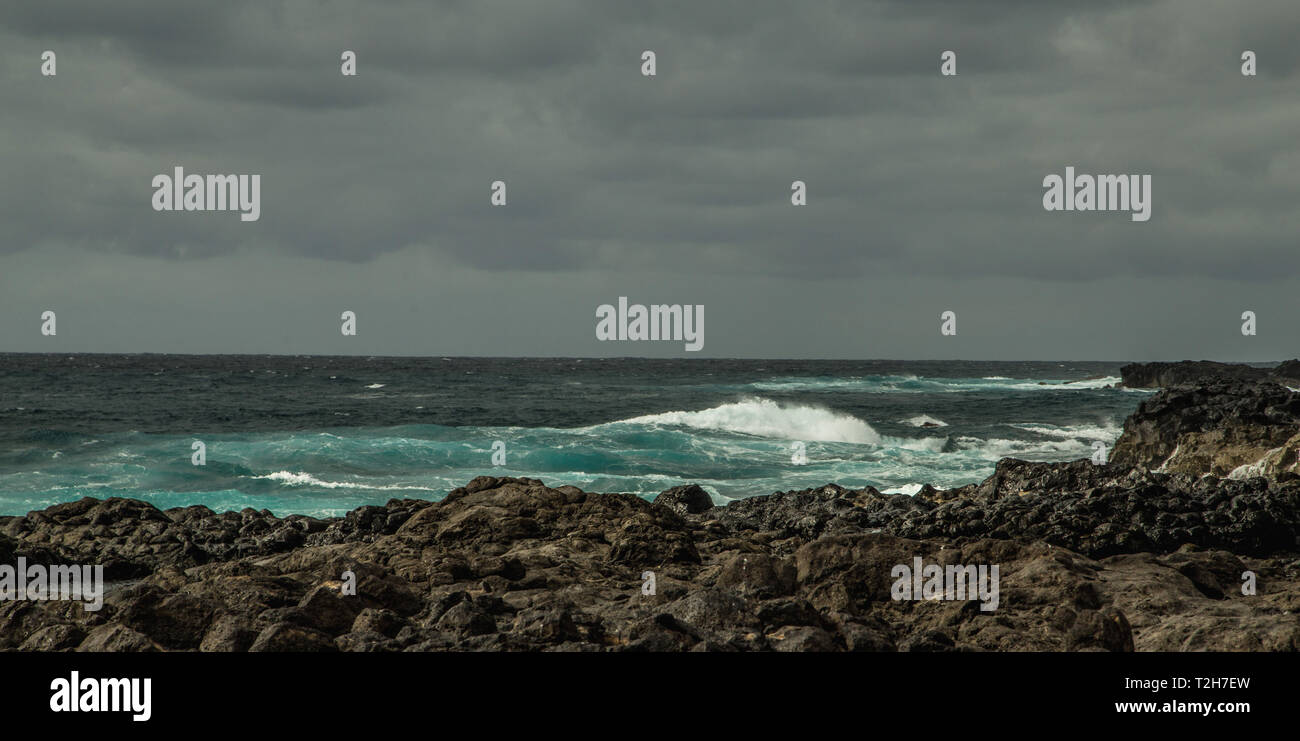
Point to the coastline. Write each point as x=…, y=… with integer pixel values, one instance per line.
x=1146, y=552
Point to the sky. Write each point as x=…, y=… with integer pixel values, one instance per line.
x=924, y=191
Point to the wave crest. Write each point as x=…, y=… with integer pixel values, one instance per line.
x=766, y=418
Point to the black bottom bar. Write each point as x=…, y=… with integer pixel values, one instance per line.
x=1006, y=694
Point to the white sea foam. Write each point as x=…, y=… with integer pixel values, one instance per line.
x=921, y=420
x=1249, y=470
x=1257, y=468
x=994, y=449
x=1106, y=433
x=918, y=444
x=766, y=418
x=908, y=489
x=291, y=478
x=1055, y=385
x=916, y=385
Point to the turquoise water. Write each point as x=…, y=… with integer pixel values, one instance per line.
x=307, y=443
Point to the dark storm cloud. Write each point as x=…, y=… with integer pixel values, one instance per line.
x=909, y=174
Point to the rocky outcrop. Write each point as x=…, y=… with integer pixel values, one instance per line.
x=1288, y=372
x=1214, y=429
x=1201, y=372
x=685, y=500
x=1090, y=558
x=1280, y=464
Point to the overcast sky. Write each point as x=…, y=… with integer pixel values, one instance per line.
x=924, y=192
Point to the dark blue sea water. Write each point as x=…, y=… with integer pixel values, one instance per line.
x=323, y=435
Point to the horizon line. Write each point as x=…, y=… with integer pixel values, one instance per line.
x=628, y=357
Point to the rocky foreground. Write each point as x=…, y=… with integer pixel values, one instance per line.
x=1144, y=553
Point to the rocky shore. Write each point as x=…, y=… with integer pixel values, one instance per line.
x=1145, y=553
x=1199, y=372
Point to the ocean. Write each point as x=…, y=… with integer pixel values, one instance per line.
x=322, y=435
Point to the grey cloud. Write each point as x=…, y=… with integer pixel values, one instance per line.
x=911, y=177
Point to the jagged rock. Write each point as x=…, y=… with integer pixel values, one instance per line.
x=1187, y=373
x=1158, y=513
x=175, y=621
x=467, y=618
x=288, y=637
x=229, y=633
x=1280, y=464
x=1205, y=372
x=809, y=513
x=685, y=500
x=1287, y=372
x=1212, y=429
x=548, y=625
x=384, y=622
x=327, y=610
x=117, y=637
x=58, y=637
x=802, y=638
x=758, y=574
